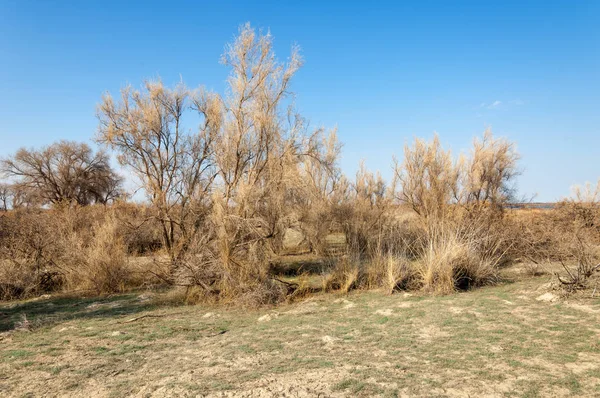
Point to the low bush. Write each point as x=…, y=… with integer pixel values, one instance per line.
x=454, y=259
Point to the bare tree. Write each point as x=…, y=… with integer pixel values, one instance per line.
x=428, y=177
x=264, y=148
x=174, y=165
x=62, y=172
x=238, y=176
x=5, y=196
x=489, y=173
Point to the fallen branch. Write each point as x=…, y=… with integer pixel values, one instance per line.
x=291, y=286
x=217, y=334
x=288, y=284
x=148, y=316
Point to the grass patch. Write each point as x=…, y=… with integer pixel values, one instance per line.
x=499, y=338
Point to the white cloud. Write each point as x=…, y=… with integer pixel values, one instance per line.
x=497, y=104
x=494, y=105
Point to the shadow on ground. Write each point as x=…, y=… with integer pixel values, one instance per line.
x=46, y=312
x=299, y=264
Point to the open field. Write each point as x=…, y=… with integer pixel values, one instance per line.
x=496, y=341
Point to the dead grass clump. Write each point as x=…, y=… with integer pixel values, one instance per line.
x=392, y=273
x=303, y=286
x=104, y=268
x=387, y=267
x=451, y=262
x=400, y=274
x=345, y=276
x=388, y=272
x=29, y=254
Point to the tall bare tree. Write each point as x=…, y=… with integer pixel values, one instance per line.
x=238, y=171
x=175, y=165
x=490, y=171
x=65, y=171
x=264, y=149
x=428, y=178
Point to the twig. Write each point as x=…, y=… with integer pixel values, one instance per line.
x=217, y=334
x=149, y=316
x=568, y=271
x=290, y=284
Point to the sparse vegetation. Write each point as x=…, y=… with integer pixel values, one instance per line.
x=251, y=209
x=494, y=341
x=225, y=200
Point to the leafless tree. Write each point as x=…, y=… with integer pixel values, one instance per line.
x=489, y=173
x=174, y=165
x=5, y=196
x=62, y=172
x=264, y=148
x=236, y=175
x=264, y=156
x=428, y=178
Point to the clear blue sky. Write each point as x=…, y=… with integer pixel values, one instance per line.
x=381, y=72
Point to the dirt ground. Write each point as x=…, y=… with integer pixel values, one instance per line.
x=516, y=339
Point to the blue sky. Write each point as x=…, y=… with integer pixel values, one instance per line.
x=381, y=72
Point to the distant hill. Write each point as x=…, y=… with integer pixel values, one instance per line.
x=533, y=205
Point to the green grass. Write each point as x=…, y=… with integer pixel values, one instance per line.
x=495, y=341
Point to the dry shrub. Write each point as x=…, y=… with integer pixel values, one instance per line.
x=101, y=265
x=460, y=207
x=379, y=238
x=66, y=248
x=450, y=237
x=428, y=178
x=391, y=272
x=578, y=240
x=568, y=233
x=532, y=235
x=224, y=195
x=229, y=260
x=586, y=258
x=29, y=253
x=139, y=229
x=453, y=259
x=17, y=280
x=487, y=175
x=344, y=276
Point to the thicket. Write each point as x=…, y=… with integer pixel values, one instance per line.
x=220, y=198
